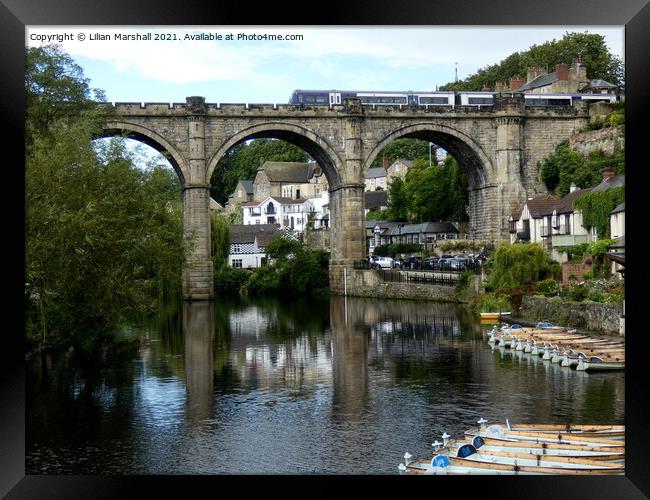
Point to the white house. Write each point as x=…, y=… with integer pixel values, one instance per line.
x=286, y=212
x=248, y=244
x=551, y=222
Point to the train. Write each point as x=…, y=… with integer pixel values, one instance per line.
x=438, y=98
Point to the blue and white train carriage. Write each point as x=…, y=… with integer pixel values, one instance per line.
x=438, y=98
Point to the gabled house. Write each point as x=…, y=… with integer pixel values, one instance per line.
x=243, y=192
x=248, y=244
x=285, y=212
x=376, y=178
x=289, y=180
x=555, y=223
x=397, y=169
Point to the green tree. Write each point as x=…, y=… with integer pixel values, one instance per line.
x=514, y=265
x=219, y=239
x=104, y=239
x=397, y=200
x=403, y=149
x=55, y=90
x=590, y=47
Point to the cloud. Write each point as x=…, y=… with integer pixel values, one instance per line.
x=337, y=55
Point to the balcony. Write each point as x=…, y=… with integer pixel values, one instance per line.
x=270, y=211
x=545, y=231
x=568, y=240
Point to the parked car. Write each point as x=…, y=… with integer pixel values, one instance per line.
x=430, y=263
x=459, y=263
x=413, y=262
x=443, y=264
x=382, y=262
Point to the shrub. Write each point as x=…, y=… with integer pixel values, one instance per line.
x=229, y=279
x=492, y=303
x=548, y=286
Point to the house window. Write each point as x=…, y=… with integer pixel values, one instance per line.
x=297, y=194
x=235, y=248
x=237, y=263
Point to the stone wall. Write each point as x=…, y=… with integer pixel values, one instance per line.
x=319, y=239
x=610, y=140
x=591, y=316
x=367, y=283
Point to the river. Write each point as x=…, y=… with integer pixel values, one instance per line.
x=339, y=386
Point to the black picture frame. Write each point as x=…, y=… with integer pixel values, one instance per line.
x=16, y=14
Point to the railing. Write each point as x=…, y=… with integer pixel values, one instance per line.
x=545, y=231
x=430, y=278
x=270, y=211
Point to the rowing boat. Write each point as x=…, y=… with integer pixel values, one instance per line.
x=598, y=363
x=501, y=432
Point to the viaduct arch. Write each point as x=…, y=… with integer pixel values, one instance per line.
x=498, y=147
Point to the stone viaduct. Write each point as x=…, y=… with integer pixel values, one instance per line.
x=497, y=146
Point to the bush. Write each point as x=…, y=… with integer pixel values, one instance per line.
x=463, y=281
x=230, y=279
x=492, y=303
x=514, y=265
x=548, y=287
x=262, y=280
x=575, y=293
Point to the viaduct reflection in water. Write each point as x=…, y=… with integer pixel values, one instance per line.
x=340, y=386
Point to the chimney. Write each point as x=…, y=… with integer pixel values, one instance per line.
x=534, y=72
x=562, y=72
x=516, y=82
x=572, y=187
x=608, y=173
x=386, y=163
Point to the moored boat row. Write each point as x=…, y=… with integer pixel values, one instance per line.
x=526, y=449
x=561, y=345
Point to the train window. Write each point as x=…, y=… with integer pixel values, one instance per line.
x=434, y=100
x=480, y=100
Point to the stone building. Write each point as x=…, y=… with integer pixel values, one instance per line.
x=243, y=193
x=289, y=180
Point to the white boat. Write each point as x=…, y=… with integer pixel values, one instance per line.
x=501, y=432
x=596, y=363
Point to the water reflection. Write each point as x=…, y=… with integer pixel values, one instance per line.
x=265, y=387
x=198, y=330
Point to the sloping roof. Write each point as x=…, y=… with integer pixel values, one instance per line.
x=241, y=233
x=600, y=84
x=383, y=224
x=565, y=205
x=247, y=185
x=540, y=206
x=375, y=199
x=289, y=171
x=374, y=173
x=408, y=163
x=283, y=200
x=620, y=208
x=422, y=227
x=612, y=182
x=540, y=81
